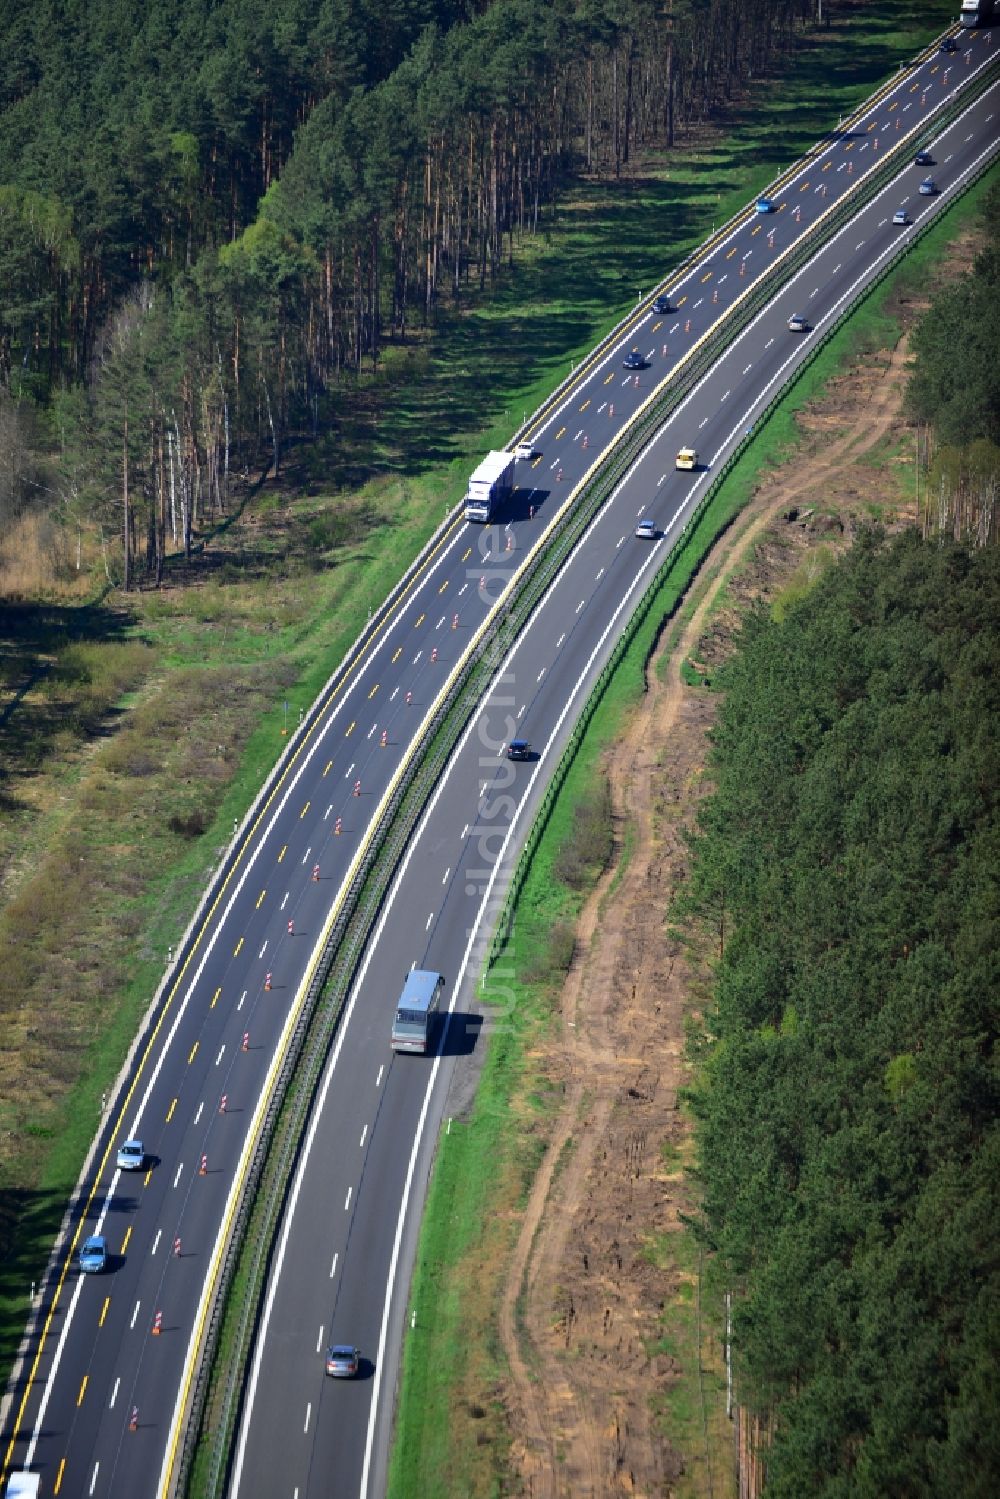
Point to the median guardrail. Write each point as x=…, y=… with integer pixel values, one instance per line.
x=505, y=920
x=215, y=1400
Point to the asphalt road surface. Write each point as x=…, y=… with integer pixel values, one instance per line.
x=97, y=1404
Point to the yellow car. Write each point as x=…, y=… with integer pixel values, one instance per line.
x=686, y=458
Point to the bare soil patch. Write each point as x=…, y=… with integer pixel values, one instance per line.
x=591, y=1293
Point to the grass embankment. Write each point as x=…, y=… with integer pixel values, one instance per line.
x=452, y=1435
x=125, y=763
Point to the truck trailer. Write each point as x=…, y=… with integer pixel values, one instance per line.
x=976, y=12
x=490, y=484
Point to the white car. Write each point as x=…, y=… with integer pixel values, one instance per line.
x=687, y=458
x=646, y=530
x=525, y=450
x=131, y=1156
x=901, y=218
x=797, y=323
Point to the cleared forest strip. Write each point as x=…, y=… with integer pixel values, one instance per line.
x=507, y=1339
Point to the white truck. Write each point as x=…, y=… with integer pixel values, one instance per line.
x=489, y=485
x=23, y=1485
x=976, y=12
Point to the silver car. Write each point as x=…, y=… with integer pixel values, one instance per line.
x=342, y=1361
x=131, y=1156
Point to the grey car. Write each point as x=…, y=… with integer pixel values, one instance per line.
x=131, y=1156
x=342, y=1361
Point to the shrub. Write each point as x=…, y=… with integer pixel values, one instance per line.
x=587, y=849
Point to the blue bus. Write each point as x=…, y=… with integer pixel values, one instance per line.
x=413, y=1027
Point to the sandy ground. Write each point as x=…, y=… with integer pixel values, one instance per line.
x=583, y=1304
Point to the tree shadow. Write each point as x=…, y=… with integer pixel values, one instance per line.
x=32, y=637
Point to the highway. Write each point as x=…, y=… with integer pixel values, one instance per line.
x=94, y=1361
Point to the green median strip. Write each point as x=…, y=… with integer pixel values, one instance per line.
x=218, y=1392
x=451, y=1434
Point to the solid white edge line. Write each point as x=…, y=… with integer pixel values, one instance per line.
x=349, y=1009
x=272, y=1290
x=473, y=721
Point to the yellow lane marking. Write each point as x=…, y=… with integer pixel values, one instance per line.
x=465, y=557
x=682, y=300
x=707, y=277
x=149, y=1174
x=399, y=649
x=373, y=692
x=284, y=850
x=585, y=404
x=194, y=1053
x=215, y=998
x=305, y=809
x=349, y=674
x=827, y=165
x=327, y=767
x=419, y=621
x=170, y=1111
x=444, y=585
x=260, y=899
x=609, y=378
x=755, y=229
x=104, y=1311
x=655, y=329
x=559, y=433
x=128, y=1235
x=378, y=630
x=83, y=1389
x=804, y=186
x=731, y=253
x=236, y=949
x=539, y=458
x=350, y=728
x=59, y=1475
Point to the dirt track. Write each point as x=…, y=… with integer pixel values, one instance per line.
x=583, y=1303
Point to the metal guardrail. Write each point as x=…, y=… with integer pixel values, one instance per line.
x=277, y=1149
x=505, y=920
x=719, y=235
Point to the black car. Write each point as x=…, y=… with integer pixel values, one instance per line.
x=949, y=44
x=923, y=159
x=662, y=304
x=633, y=361
x=519, y=749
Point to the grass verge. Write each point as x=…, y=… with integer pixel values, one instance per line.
x=118, y=794
x=451, y=1431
